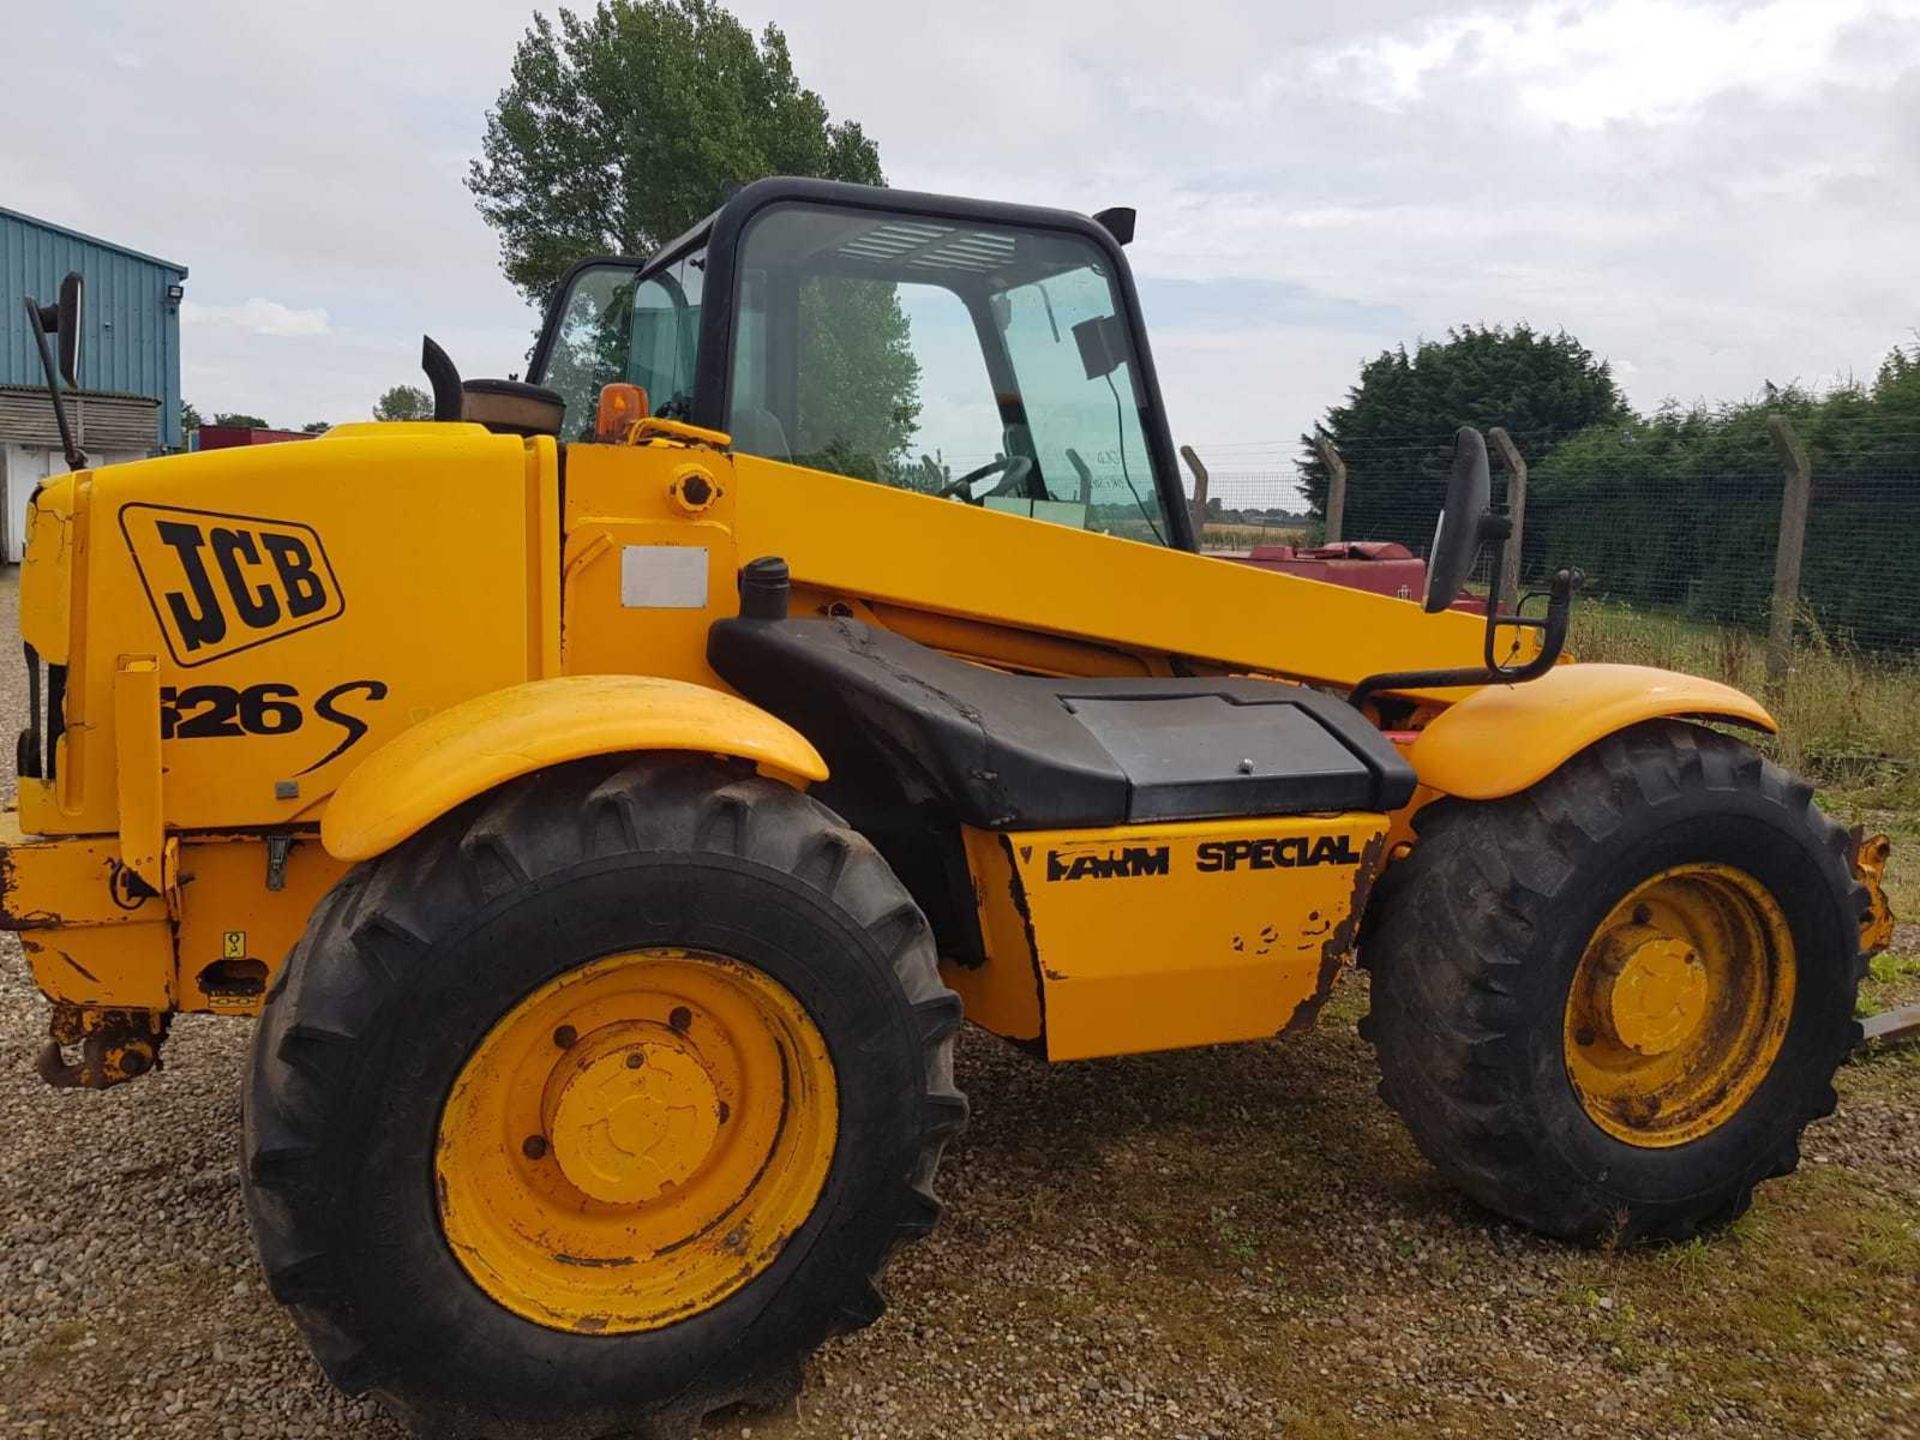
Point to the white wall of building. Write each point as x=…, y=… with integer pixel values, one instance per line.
x=24, y=466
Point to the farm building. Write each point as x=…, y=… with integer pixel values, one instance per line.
x=129, y=403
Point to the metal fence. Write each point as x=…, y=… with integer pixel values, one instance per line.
x=1702, y=555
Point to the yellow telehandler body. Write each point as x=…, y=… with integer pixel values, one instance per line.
x=608, y=788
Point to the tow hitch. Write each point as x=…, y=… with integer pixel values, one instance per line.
x=115, y=1046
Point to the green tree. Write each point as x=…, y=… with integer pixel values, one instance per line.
x=622, y=128
x=239, y=420
x=859, y=381
x=403, y=402
x=316, y=427
x=1396, y=429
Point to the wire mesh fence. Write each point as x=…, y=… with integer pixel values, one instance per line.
x=1681, y=573
x=1700, y=555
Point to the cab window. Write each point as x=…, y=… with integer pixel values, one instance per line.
x=984, y=365
x=618, y=325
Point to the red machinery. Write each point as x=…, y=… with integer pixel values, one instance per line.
x=1382, y=566
x=225, y=437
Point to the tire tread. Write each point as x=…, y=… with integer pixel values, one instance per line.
x=1458, y=916
x=368, y=939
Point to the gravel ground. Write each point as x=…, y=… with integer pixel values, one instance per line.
x=1222, y=1243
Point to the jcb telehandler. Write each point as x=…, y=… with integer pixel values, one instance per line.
x=612, y=794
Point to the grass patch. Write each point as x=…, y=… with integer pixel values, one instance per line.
x=1797, y=1292
x=1891, y=981
x=1849, y=721
x=1218, y=535
x=1887, y=1243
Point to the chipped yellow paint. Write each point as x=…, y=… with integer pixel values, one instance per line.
x=92, y=937
x=636, y=1140
x=1870, y=855
x=1679, y=1005
x=1155, y=936
x=137, y=769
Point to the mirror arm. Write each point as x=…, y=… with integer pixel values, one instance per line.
x=76, y=457
x=1552, y=642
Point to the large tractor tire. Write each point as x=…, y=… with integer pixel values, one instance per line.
x=597, y=1106
x=1607, y=1007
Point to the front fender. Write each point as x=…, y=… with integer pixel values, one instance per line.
x=470, y=748
x=1502, y=739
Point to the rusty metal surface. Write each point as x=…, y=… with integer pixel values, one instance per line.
x=1892, y=1027
x=1870, y=854
x=1339, y=946
x=115, y=1046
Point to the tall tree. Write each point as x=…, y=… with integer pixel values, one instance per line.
x=239, y=421
x=1395, y=430
x=622, y=128
x=403, y=402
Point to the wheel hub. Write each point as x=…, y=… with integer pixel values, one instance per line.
x=637, y=1113
x=1678, y=1006
x=1659, y=995
x=636, y=1140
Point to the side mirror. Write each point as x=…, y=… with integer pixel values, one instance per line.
x=1103, y=345
x=63, y=319
x=1118, y=222
x=1465, y=523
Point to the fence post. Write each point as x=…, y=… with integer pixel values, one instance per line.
x=1515, y=465
x=1199, y=493
x=1336, y=485
x=1792, y=541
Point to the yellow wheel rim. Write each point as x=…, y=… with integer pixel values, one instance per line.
x=635, y=1141
x=1679, y=1005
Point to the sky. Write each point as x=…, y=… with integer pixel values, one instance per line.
x=1710, y=194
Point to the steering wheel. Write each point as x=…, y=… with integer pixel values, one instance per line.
x=1016, y=467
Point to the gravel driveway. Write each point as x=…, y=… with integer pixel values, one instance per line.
x=1233, y=1242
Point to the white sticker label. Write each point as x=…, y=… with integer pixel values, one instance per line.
x=663, y=577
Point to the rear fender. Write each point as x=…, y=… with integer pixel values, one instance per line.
x=1502, y=739
x=478, y=744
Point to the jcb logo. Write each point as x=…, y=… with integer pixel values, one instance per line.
x=221, y=583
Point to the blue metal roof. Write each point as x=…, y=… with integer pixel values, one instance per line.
x=132, y=340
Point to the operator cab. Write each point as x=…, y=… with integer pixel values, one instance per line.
x=970, y=351
x=982, y=353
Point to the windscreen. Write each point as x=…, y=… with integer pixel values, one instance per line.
x=986, y=364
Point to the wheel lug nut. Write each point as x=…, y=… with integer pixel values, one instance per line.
x=1584, y=1037
x=680, y=1019
x=534, y=1147
x=565, y=1036
x=635, y=1060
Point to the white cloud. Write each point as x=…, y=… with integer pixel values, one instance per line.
x=1647, y=61
x=256, y=317
x=1708, y=192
